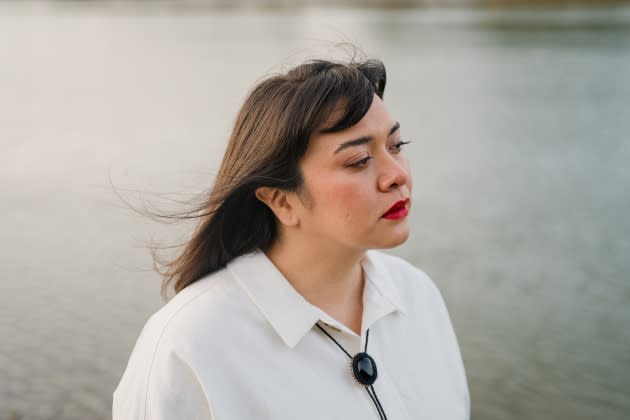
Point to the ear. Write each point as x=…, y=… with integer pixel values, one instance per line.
x=280, y=204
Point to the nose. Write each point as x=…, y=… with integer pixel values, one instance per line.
x=394, y=173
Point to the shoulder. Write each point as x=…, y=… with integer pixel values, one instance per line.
x=198, y=310
x=193, y=314
x=428, y=314
x=174, y=338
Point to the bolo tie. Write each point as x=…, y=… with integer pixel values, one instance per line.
x=363, y=369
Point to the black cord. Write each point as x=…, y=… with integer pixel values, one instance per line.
x=378, y=402
x=381, y=413
x=333, y=339
x=375, y=400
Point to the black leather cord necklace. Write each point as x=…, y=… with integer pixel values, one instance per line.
x=363, y=369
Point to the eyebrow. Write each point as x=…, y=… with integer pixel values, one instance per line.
x=364, y=139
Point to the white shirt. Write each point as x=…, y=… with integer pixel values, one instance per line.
x=242, y=344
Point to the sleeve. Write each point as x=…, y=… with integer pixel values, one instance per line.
x=159, y=385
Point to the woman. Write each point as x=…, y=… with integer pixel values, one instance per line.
x=283, y=310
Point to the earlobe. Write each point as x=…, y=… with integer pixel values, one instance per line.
x=278, y=202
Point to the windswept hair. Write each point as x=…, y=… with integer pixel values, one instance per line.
x=268, y=141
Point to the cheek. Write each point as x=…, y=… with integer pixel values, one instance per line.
x=341, y=199
x=350, y=202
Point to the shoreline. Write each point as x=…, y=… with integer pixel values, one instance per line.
x=184, y=5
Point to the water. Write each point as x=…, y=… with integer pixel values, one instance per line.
x=520, y=128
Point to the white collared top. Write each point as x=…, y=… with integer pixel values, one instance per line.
x=242, y=344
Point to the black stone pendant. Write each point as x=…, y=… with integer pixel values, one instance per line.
x=364, y=369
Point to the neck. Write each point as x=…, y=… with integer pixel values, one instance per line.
x=327, y=277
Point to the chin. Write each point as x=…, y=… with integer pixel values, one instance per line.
x=394, y=240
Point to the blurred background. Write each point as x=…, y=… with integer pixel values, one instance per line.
x=519, y=113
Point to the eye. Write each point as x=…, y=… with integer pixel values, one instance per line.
x=360, y=163
x=397, y=147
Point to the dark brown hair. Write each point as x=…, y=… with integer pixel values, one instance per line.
x=270, y=136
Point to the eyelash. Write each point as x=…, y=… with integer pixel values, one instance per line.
x=397, y=148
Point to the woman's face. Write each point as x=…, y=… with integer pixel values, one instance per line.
x=359, y=184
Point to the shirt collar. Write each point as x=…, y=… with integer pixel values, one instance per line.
x=292, y=316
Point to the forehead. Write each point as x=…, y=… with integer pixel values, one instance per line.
x=377, y=122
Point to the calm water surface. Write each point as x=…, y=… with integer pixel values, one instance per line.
x=520, y=122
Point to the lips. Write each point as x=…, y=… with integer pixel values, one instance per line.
x=397, y=211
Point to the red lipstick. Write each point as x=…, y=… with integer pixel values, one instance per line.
x=397, y=211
